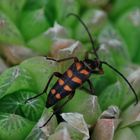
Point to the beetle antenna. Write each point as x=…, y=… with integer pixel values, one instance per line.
x=103, y=62
x=86, y=28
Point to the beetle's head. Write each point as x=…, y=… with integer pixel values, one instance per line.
x=94, y=65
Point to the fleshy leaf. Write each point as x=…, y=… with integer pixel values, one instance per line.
x=76, y=120
x=33, y=23
x=95, y=20
x=136, y=130
x=128, y=25
x=131, y=116
x=105, y=129
x=45, y=131
x=125, y=134
x=88, y=101
x=112, y=95
x=3, y=66
x=33, y=4
x=12, y=8
x=14, y=79
x=62, y=134
x=14, y=127
x=9, y=33
x=40, y=70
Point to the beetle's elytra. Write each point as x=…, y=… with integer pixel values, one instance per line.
x=78, y=73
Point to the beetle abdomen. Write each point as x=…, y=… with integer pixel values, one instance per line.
x=74, y=77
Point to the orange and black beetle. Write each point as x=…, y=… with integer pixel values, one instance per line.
x=78, y=73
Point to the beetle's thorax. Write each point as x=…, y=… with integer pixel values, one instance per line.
x=91, y=64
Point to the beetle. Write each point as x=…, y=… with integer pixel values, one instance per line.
x=78, y=73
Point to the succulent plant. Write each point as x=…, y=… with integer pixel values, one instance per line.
x=31, y=30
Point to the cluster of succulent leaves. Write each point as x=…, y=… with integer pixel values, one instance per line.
x=31, y=29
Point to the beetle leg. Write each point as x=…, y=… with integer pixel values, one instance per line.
x=86, y=55
x=91, y=90
x=69, y=98
x=64, y=59
x=57, y=110
x=57, y=74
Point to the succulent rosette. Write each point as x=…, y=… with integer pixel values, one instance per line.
x=31, y=30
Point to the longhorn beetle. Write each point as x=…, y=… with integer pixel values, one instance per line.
x=78, y=73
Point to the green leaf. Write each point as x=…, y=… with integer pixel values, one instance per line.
x=130, y=116
x=33, y=23
x=113, y=46
x=92, y=3
x=49, y=7
x=12, y=8
x=33, y=4
x=40, y=69
x=128, y=25
x=14, y=127
x=88, y=101
x=119, y=7
x=21, y=82
x=66, y=7
x=136, y=130
x=41, y=44
x=112, y=95
x=9, y=34
x=15, y=103
x=100, y=82
x=125, y=134
x=95, y=20
x=31, y=75
x=14, y=79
